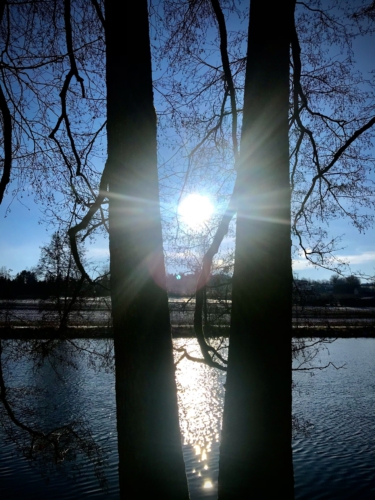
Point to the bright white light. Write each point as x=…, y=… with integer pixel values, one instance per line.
x=208, y=484
x=195, y=209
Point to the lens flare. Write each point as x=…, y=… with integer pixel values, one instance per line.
x=195, y=210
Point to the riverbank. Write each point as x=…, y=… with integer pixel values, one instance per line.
x=31, y=319
x=187, y=331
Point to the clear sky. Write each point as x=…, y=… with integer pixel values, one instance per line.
x=22, y=233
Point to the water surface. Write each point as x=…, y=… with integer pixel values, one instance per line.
x=336, y=462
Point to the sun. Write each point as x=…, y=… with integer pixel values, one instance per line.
x=195, y=210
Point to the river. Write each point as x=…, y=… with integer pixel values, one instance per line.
x=335, y=461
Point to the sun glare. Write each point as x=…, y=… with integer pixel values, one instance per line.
x=195, y=210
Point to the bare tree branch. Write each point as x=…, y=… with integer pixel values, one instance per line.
x=99, y=11
x=334, y=160
x=231, y=210
x=316, y=367
x=206, y=270
x=207, y=360
x=227, y=72
x=72, y=232
x=7, y=127
x=69, y=44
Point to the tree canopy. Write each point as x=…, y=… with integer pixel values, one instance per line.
x=53, y=81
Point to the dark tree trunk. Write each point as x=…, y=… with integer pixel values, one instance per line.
x=151, y=462
x=256, y=454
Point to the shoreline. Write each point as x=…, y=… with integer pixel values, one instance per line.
x=185, y=331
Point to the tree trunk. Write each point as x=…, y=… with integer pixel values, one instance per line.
x=256, y=454
x=151, y=462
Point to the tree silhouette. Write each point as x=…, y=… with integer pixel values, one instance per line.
x=256, y=454
x=68, y=36
x=63, y=281
x=147, y=416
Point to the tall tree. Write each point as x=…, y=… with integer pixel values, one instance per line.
x=69, y=37
x=151, y=461
x=256, y=454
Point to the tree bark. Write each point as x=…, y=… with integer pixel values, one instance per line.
x=151, y=462
x=256, y=454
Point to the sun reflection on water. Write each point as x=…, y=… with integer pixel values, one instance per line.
x=200, y=400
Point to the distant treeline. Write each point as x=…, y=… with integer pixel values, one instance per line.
x=27, y=285
x=337, y=291
x=344, y=291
